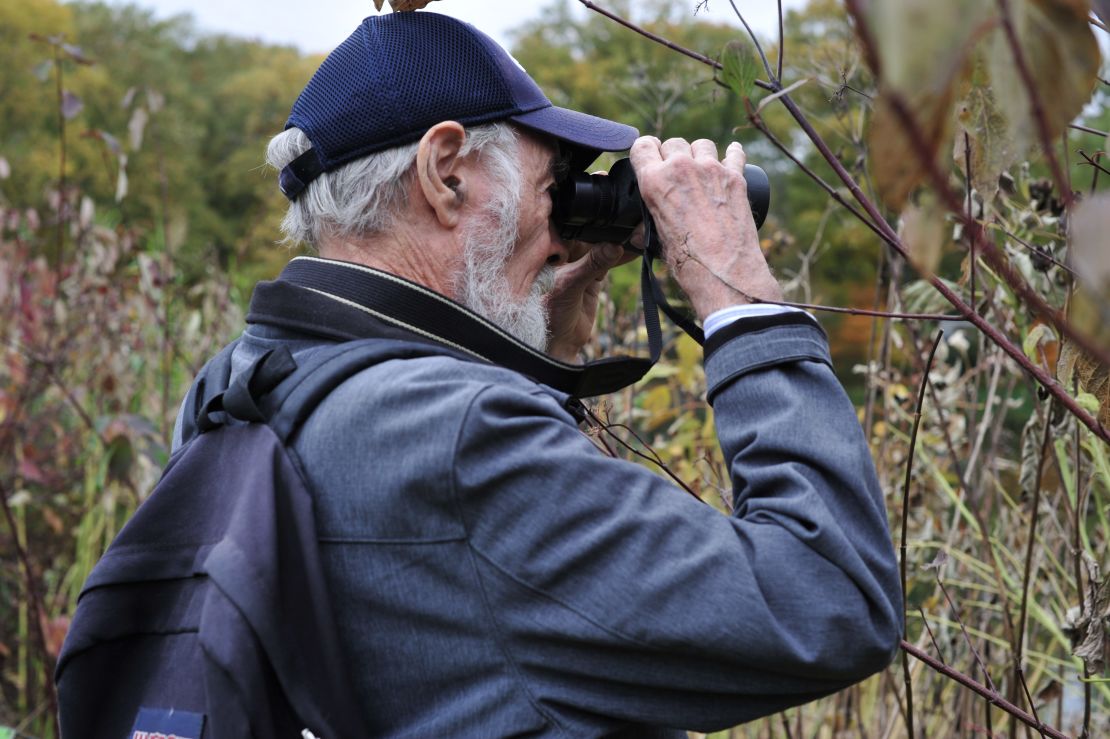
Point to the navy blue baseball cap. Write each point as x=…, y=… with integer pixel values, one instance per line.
x=399, y=74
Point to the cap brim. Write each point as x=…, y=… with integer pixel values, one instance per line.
x=588, y=134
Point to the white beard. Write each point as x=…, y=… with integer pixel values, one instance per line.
x=483, y=286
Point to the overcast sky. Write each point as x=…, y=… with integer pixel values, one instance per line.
x=321, y=25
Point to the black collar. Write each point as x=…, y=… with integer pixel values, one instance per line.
x=342, y=301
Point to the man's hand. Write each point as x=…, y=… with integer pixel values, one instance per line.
x=701, y=212
x=572, y=304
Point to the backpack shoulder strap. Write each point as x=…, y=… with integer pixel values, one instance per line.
x=213, y=379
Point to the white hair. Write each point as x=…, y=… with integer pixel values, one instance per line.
x=362, y=197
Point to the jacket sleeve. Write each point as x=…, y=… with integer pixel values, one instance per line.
x=615, y=593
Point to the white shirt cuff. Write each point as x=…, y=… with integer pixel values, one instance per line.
x=719, y=319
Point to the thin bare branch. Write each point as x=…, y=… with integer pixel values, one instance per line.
x=992, y=696
x=906, y=519
x=1093, y=162
x=932, y=637
x=1086, y=129
x=755, y=40
x=782, y=46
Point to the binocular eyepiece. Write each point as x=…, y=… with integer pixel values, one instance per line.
x=607, y=208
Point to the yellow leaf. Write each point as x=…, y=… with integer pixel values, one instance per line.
x=657, y=402
x=689, y=352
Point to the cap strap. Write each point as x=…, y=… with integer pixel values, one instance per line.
x=296, y=175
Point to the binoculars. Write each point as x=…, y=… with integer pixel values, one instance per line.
x=607, y=208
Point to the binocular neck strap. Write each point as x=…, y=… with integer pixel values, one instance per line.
x=655, y=300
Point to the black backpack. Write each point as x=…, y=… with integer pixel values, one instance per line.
x=209, y=616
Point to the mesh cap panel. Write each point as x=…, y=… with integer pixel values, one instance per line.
x=397, y=76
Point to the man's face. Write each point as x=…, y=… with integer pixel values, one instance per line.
x=538, y=249
x=511, y=248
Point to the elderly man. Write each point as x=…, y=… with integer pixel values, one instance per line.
x=492, y=573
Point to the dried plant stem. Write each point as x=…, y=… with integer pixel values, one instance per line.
x=762, y=128
x=653, y=457
x=872, y=346
x=1087, y=129
x=1027, y=572
x=1094, y=162
x=782, y=45
x=35, y=603
x=932, y=637
x=1077, y=543
x=967, y=637
x=786, y=725
x=1094, y=171
x=990, y=695
x=905, y=523
x=168, y=344
x=971, y=265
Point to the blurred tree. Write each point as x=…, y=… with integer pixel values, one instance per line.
x=185, y=116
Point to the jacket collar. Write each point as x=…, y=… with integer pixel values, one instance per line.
x=342, y=301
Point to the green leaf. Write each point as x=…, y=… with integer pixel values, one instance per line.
x=1088, y=403
x=740, y=67
x=1039, y=334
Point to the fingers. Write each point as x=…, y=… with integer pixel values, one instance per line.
x=602, y=258
x=645, y=152
x=735, y=157
x=704, y=149
x=648, y=150
x=675, y=148
x=593, y=262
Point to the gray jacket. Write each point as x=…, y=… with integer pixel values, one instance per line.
x=494, y=574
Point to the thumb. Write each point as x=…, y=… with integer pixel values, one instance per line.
x=598, y=261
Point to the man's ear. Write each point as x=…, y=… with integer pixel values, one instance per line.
x=439, y=171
